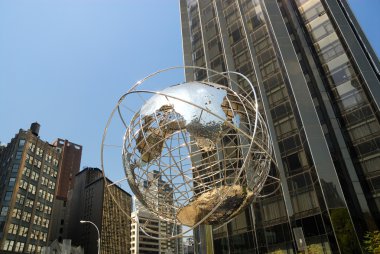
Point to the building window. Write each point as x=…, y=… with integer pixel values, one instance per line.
x=51, y=185
x=32, y=189
x=23, y=231
x=235, y=36
x=19, y=247
x=48, y=158
x=4, y=211
x=29, y=203
x=23, y=184
x=295, y=162
x=29, y=159
x=44, y=181
x=8, y=245
x=39, y=151
x=15, y=168
x=26, y=172
x=47, y=209
x=371, y=165
x=45, y=223
x=21, y=142
x=218, y=64
x=31, y=248
x=26, y=216
x=40, y=207
x=16, y=213
x=20, y=199
x=37, y=163
x=34, y=176
x=37, y=220
x=32, y=147
x=12, y=229
x=8, y=196
x=18, y=155
x=12, y=181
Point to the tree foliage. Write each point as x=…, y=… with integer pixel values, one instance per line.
x=344, y=231
x=372, y=242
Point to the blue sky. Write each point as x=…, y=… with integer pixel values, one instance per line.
x=65, y=63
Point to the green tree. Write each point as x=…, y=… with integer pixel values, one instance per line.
x=315, y=249
x=344, y=231
x=372, y=242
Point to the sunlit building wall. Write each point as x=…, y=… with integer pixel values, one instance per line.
x=28, y=180
x=71, y=155
x=141, y=242
x=145, y=242
x=89, y=200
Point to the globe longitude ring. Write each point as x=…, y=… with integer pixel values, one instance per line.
x=195, y=152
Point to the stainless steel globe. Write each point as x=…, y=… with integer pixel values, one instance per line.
x=193, y=153
x=209, y=146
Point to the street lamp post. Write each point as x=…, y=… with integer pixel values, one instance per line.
x=86, y=221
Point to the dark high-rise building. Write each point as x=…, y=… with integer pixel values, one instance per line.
x=28, y=180
x=69, y=166
x=90, y=201
x=319, y=86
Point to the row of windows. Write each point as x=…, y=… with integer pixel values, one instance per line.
x=28, y=187
x=256, y=20
x=231, y=14
x=30, y=174
x=8, y=245
x=38, y=235
x=374, y=184
x=364, y=130
x=40, y=221
x=33, y=248
x=310, y=12
x=329, y=47
x=39, y=152
x=50, y=171
x=15, y=229
x=23, y=201
x=320, y=28
x=43, y=208
x=26, y=216
x=46, y=182
x=45, y=195
x=20, y=215
x=371, y=165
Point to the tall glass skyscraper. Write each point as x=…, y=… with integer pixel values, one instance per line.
x=319, y=85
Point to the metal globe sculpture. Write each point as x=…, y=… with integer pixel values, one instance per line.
x=195, y=152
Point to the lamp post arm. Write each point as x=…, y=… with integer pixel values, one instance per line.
x=97, y=229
